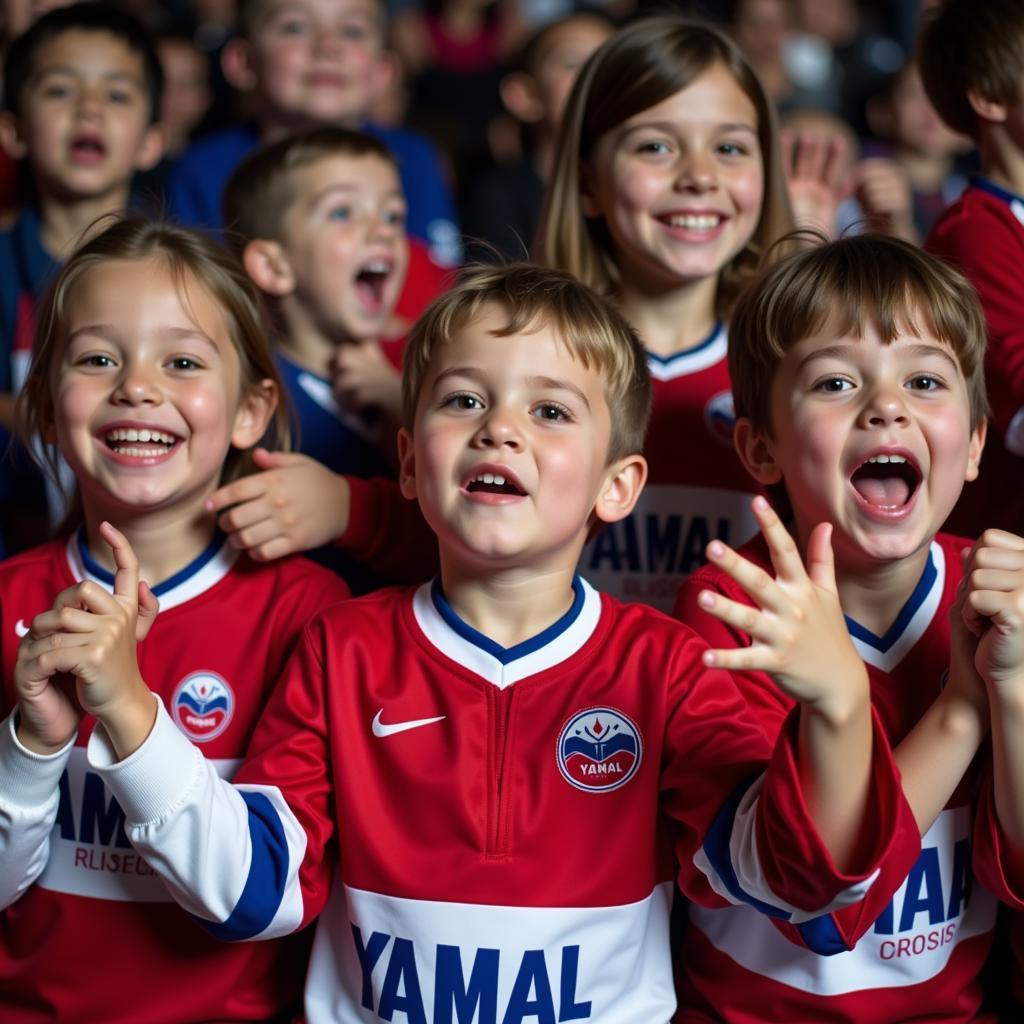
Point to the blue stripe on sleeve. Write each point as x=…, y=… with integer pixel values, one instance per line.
x=268, y=874
x=716, y=849
x=821, y=936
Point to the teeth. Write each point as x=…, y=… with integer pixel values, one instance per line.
x=491, y=478
x=695, y=222
x=377, y=267
x=883, y=459
x=143, y=435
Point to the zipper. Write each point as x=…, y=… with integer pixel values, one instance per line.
x=499, y=714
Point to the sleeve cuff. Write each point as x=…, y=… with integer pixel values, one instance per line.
x=363, y=516
x=155, y=778
x=28, y=779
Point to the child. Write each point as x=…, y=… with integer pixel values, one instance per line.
x=473, y=781
x=857, y=373
x=504, y=206
x=152, y=375
x=81, y=94
x=319, y=222
x=307, y=63
x=971, y=57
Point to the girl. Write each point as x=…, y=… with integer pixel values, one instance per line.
x=152, y=376
x=667, y=189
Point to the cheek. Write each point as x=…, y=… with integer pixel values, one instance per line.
x=748, y=194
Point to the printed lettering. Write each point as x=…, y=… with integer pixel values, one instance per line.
x=98, y=815
x=663, y=543
x=451, y=991
x=531, y=981
x=65, y=814
x=569, y=1009
x=368, y=956
x=924, y=891
x=960, y=889
x=402, y=974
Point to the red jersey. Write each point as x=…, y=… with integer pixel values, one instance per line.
x=486, y=833
x=921, y=958
x=94, y=935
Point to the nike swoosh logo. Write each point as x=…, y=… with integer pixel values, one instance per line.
x=380, y=729
x=20, y=628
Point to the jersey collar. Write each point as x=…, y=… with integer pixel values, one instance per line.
x=710, y=351
x=886, y=652
x=1012, y=200
x=203, y=572
x=503, y=666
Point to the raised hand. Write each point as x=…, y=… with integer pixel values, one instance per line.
x=295, y=504
x=816, y=178
x=90, y=635
x=364, y=379
x=797, y=630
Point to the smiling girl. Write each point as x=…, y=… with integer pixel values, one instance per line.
x=151, y=376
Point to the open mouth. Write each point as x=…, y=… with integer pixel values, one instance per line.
x=693, y=221
x=88, y=148
x=371, y=281
x=886, y=481
x=139, y=443
x=494, y=483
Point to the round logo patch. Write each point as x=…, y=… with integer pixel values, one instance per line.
x=720, y=417
x=599, y=750
x=202, y=706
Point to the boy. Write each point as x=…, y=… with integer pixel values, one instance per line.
x=307, y=63
x=474, y=780
x=971, y=57
x=81, y=95
x=857, y=373
x=318, y=219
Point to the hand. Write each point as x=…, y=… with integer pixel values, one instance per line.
x=798, y=633
x=965, y=683
x=814, y=173
x=364, y=379
x=91, y=635
x=994, y=610
x=294, y=505
x=883, y=190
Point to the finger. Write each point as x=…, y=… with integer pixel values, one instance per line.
x=1007, y=559
x=277, y=548
x=832, y=161
x=49, y=654
x=992, y=604
x=1000, y=539
x=784, y=553
x=245, y=515
x=1001, y=580
x=757, y=658
x=259, y=533
x=757, y=583
x=126, y=576
x=89, y=596
x=248, y=488
x=821, y=565
x=751, y=621
x=149, y=606
x=68, y=618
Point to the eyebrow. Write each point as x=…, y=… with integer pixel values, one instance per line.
x=108, y=76
x=541, y=382
x=173, y=333
x=670, y=126
x=347, y=189
x=917, y=351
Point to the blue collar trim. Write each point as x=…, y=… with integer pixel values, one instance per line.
x=716, y=330
x=907, y=612
x=1003, y=194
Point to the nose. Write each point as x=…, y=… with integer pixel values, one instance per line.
x=885, y=406
x=499, y=430
x=328, y=42
x=137, y=386
x=696, y=172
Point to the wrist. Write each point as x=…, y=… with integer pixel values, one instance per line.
x=845, y=703
x=35, y=743
x=1007, y=694
x=129, y=720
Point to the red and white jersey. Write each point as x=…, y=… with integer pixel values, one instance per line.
x=94, y=935
x=697, y=489
x=921, y=958
x=486, y=833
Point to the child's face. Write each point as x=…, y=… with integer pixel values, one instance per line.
x=916, y=124
x=876, y=438
x=509, y=451
x=85, y=116
x=344, y=238
x=680, y=185
x=565, y=51
x=320, y=61
x=136, y=359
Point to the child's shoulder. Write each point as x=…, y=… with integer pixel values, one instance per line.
x=978, y=211
x=294, y=577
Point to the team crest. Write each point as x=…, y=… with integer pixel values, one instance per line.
x=720, y=417
x=599, y=750
x=202, y=706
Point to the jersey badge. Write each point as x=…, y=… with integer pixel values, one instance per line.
x=720, y=417
x=599, y=750
x=202, y=706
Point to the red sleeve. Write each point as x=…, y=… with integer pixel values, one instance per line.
x=387, y=532
x=994, y=865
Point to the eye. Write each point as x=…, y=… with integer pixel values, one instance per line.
x=341, y=212
x=355, y=33
x=653, y=147
x=462, y=400
x=833, y=385
x=56, y=91
x=95, y=361
x=733, y=149
x=290, y=27
x=925, y=382
x=395, y=217
x=184, y=363
x=120, y=96
x=552, y=412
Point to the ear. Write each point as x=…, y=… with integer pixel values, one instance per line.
x=268, y=266
x=974, y=450
x=254, y=414
x=238, y=64
x=588, y=202
x=756, y=453
x=521, y=97
x=151, y=148
x=623, y=483
x=10, y=136
x=406, y=464
x=986, y=109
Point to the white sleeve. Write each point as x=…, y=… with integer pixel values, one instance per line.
x=230, y=856
x=29, y=799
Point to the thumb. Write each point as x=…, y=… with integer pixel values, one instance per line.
x=126, y=578
x=148, y=608
x=821, y=567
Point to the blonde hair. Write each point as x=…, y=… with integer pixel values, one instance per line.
x=531, y=296
x=848, y=284
x=639, y=67
x=187, y=254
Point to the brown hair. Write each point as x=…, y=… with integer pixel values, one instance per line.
x=262, y=188
x=188, y=254
x=639, y=67
x=249, y=16
x=846, y=284
x=971, y=45
x=589, y=326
